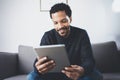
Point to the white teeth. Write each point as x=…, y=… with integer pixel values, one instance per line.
x=62, y=31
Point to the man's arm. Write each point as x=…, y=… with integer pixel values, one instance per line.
x=86, y=64
x=87, y=59
x=45, y=39
x=43, y=65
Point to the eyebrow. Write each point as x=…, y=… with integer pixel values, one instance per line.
x=62, y=19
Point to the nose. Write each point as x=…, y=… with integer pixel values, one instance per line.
x=60, y=25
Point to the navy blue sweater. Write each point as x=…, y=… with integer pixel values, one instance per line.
x=77, y=46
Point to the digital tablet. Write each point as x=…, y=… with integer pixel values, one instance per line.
x=57, y=53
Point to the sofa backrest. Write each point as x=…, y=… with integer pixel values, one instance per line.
x=26, y=59
x=8, y=64
x=105, y=54
x=106, y=57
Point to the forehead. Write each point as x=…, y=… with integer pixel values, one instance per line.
x=58, y=15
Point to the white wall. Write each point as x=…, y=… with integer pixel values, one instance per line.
x=21, y=22
x=97, y=18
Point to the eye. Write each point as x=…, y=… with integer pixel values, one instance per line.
x=55, y=23
x=64, y=20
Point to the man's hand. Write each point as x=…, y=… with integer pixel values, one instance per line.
x=73, y=72
x=44, y=65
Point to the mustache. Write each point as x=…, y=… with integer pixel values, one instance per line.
x=64, y=28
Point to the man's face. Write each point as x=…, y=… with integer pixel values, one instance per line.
x=61, y=23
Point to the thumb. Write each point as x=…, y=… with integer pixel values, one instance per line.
x=75, y=66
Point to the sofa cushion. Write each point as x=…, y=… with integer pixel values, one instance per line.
x=17, y=77
x=106, y=57
x=111, y=76
x=8, y=64
x=26, y=60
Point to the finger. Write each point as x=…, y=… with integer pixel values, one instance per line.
x=75, y=66
x=74, y=69
x=45, y=65
x=41, y=60
x=69, y=69
x=51, y=66
x=45, y=70
x=72, y=75
x=78, y=69
x=68, y=74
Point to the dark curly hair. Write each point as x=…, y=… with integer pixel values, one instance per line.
x=61, y=7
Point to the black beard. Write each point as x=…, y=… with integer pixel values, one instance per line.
x=64, y=28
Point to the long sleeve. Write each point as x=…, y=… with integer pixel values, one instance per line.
x=78, y=48
x=87, y=60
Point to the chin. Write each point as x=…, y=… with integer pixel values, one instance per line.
x=63, y=35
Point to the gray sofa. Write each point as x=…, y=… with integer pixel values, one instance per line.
x=14, y=66
x=107, y=58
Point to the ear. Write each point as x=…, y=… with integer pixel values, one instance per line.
x=70, y=19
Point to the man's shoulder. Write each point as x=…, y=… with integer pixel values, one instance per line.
x=50, y=32
x=77, y=29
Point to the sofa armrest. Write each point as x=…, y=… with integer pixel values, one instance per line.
x=106, y=57
x=119, y=55
x=119, y=52
x=8, y=64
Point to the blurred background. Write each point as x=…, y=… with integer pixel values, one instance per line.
x=22, y=22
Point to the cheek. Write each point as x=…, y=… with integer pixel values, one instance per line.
x=67, y=24
x=56, y=28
